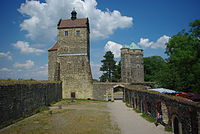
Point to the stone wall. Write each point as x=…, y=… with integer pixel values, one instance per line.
x=76, y=76
x=104, y=90
x=18, y=100
x=74, y=62
x=53, y=66
x=184, y=110
x=73, y=44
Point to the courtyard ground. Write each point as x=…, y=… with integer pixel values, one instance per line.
x=131, y=122
x=80, y=117
x=85, y=117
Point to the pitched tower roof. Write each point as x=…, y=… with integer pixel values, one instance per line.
x=74, y=22
x=132, y=46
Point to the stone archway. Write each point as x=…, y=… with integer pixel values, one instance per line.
x=118, y=92
x=161, y=107
x=176, y=125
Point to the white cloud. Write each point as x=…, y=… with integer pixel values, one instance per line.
x=40, y=72
x=28, y=64
x=95, y=67
x=37, y=73
x=4, y=69
x=160, y=43
x=43, y=71
x=5, y=55
x=113, y=47
x=43, y=18
x=24, y=47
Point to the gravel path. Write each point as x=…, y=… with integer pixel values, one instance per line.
x=130, y=122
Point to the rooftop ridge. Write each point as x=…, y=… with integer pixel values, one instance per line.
x=132, y=46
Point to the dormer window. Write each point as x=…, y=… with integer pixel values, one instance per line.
x=78, y=33
x=66, y=33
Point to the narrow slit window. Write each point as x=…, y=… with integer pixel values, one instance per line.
x=78, y=33
x=66, y=33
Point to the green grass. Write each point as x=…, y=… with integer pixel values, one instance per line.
x=128, y=105
x=137, y=111
x=43, y=108
x=148, y=118
x=168, y=129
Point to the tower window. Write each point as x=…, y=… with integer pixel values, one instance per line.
x=78, y=33
x=66, y=33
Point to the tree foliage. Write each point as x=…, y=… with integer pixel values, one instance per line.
x=108, y=67
x=182, y=71
x=117, y=73
x=152, y=65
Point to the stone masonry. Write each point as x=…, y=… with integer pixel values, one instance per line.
x=181, y=114
x=132, y=65
x=22, y=99
x=69, y=58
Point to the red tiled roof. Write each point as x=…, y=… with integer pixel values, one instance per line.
x=70, y=23
x=54, y=47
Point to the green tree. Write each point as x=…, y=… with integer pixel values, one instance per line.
x=117, y=73
x=195, y=28
x=108, y=67
x=183, y=50
x=152, y=65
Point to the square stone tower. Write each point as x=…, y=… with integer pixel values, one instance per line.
x=132, y=64
x=69, y=58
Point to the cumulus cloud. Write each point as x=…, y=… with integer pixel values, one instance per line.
x=160, y=43
x=43, y=18
x=113, y=47
x=25, y=47
x=43, y=71
x=95, y=67
x=4, y=69
x=6, y=55
x=28, y=64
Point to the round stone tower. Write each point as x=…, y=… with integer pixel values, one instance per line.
x=132, y=64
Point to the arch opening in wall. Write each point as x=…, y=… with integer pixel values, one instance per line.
x=176, y=125
x=133, y=102
x=118, y=92
x=142, y=106
x=164, y=112
x=149, y=108
x=161, y=107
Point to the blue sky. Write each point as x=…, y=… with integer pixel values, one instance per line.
x=28, y=29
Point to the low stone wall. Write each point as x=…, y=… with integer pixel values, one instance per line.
x=104, y=90
x=17, y=100
x=185, y=112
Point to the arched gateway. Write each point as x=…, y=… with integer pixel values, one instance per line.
x=106, y=90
